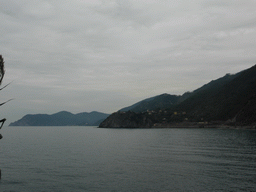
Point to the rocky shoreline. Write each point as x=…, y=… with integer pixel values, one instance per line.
x=196, y=125
x=192, y=125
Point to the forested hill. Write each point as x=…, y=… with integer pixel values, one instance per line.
x=229, y=100
x=62, y=118
x=226, y=101
x=165, y=100
x=161, y=101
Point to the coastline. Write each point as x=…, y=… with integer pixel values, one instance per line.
x=210, y=126
x=184, y=124
x=203, y=125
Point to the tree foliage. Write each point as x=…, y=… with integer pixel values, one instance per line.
x=2, y=72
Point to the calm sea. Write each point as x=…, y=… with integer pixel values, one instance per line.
x=91, y=159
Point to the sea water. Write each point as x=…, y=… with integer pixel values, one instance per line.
x=93, y=159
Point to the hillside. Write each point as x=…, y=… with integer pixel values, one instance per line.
x=229, y=100
x=62, y=118
x=224, y=101
x=158, y=102
x=165, y=101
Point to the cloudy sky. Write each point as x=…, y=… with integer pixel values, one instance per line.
x=103, y=55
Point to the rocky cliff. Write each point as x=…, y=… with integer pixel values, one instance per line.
x=127, y=120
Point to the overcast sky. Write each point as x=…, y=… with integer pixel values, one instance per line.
x=103, y=55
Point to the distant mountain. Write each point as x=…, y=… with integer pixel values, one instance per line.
x=229, y=100
x=62, y=118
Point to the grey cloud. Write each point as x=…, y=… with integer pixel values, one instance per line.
x=74, y=54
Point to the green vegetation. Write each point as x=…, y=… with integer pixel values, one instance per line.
x=2, y=72
x=158, y=102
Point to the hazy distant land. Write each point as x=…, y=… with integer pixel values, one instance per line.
x=62, y=118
